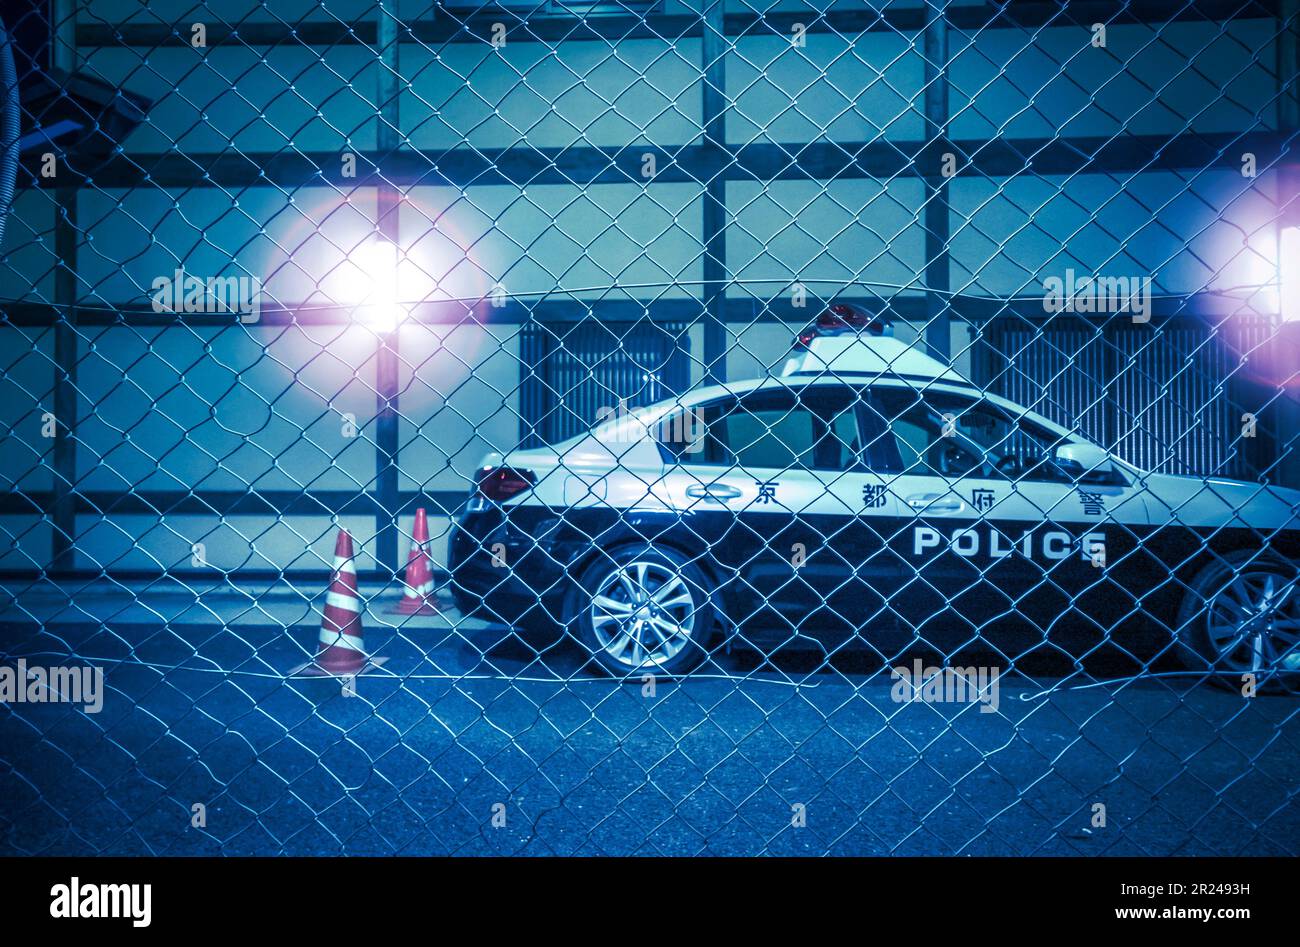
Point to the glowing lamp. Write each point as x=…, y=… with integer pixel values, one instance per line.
x=376, y=267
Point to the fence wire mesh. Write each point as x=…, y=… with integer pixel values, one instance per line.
x=629, y=427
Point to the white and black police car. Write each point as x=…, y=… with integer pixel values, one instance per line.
x=869, y=494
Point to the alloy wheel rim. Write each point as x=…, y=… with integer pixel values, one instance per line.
x=1254, y=623
x=643, y=614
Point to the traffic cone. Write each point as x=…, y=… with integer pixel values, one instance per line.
x=342, y=650
x=418, y=597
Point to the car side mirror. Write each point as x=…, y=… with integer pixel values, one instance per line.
x=1084, y=461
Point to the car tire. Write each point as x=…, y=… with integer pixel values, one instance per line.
x=1241, y=615
x=643, y=609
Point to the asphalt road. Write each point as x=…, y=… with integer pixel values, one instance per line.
x=463, y=723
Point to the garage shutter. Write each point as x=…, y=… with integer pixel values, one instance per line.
x=574, y=369
x=1170, y=400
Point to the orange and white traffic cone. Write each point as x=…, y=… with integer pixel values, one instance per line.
x=342, y=649
x=418, y=597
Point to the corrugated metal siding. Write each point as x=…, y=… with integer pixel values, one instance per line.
x=1169, y=401
x=1058, y=373
x=573, y=370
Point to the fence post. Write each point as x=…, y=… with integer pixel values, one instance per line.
x=1288, y=183
x=63, y=511
x=388, y=222
x=713, y=234
x=938, y=333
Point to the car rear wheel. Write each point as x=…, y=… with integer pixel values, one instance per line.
x=640, y=609
x=1242, y=616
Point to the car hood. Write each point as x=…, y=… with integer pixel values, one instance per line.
x=1215, y=502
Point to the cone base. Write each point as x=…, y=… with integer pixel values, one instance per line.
x=415, y=606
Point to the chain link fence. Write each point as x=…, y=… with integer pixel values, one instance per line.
x=1024, y=584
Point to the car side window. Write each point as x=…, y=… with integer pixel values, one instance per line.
x=813, y=428
x=768, y=432
x=841, y=447
x=950, y=436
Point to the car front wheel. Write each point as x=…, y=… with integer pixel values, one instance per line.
x=640, y=609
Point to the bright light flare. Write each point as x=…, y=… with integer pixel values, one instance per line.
x=374, y=286
x=1289, y=273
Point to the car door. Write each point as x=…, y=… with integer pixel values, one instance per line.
x=997, y=526
x=860, y=570
x=763, y=487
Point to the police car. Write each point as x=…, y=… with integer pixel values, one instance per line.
x=869, y=495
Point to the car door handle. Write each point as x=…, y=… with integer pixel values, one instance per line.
x=936, y=503
x=718, y=492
